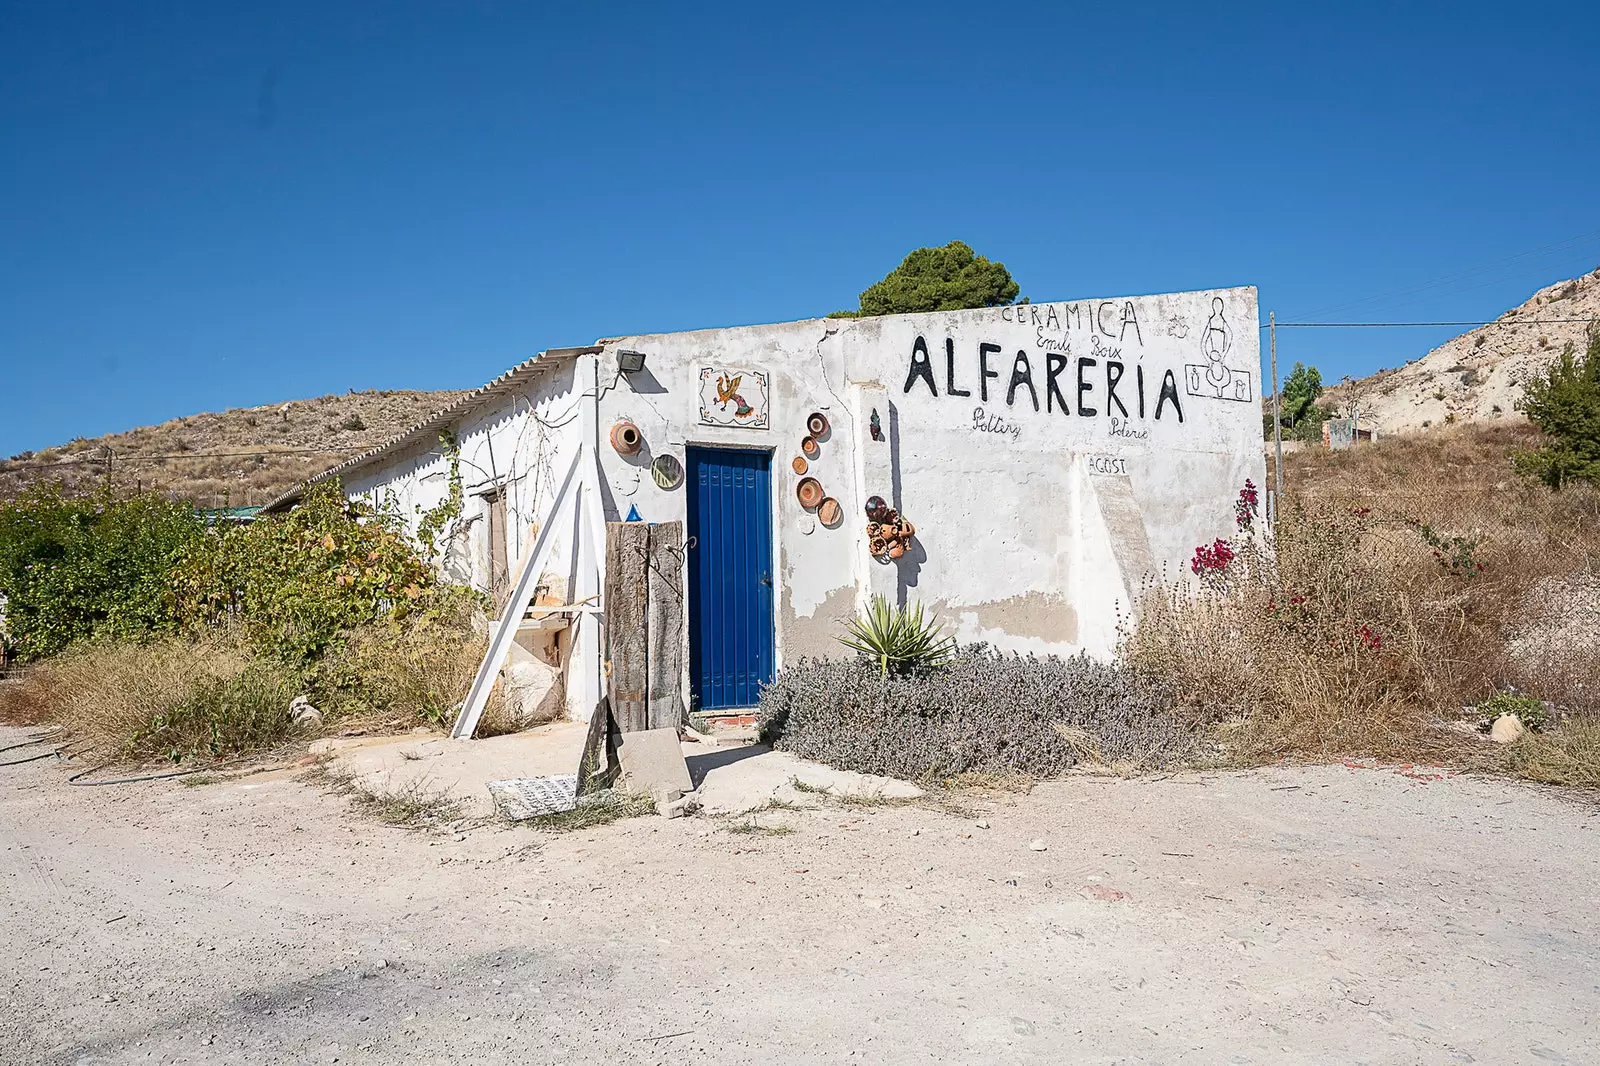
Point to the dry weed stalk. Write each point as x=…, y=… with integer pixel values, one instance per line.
x=1404, y=581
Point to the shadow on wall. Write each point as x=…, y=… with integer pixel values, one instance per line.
x=909, y=566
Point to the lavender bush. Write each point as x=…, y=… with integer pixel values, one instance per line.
x=983, y=712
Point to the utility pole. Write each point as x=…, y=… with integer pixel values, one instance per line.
x=1277, y=419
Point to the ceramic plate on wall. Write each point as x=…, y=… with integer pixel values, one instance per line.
x=810, y=492
x=667, y=471
x=799, y=464
x=829, y=513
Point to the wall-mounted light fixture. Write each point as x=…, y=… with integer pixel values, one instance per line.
x=630, y=362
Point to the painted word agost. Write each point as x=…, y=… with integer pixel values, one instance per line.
x=1083, y=385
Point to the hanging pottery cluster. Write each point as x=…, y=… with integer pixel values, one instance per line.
x=809, y=490
x=888, y=534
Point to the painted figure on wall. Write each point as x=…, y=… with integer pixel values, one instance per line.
x=728, y=392
x=734, y=396
x=1215, y=378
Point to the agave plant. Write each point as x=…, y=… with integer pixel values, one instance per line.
x=898, y=638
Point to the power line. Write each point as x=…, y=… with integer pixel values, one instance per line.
x=1381, y=325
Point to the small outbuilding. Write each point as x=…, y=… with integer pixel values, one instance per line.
x=1021, y=471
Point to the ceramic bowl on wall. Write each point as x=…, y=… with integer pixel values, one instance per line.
x=799, y=465
x=809, y=492
x=810, y=446
x=817, y=424
x=829, y=513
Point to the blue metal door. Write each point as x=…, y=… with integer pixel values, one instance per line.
x=730, y=576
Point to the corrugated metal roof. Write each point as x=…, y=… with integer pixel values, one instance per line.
x=429, y=427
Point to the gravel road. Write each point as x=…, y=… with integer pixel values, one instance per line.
x=1299, y=915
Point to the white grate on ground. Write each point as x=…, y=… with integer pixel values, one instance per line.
x=530, y=797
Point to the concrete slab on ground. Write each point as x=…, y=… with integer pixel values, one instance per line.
x=734, y=779
x=653, y=762
x=728, y=777
x=460, y=768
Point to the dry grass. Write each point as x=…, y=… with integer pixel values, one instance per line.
x=1370, y=617
x=22, y=704
x=750, y=825
x=180, y=698
x=411, y=806
x=600, y=808
x=1566, y=756
x=386, y=675
x=167, y=698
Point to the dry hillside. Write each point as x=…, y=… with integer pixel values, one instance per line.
x=241, y=457
x=1477, y=376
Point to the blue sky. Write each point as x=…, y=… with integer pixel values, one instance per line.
x=206, y=206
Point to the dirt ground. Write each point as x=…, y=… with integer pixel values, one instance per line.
x=1298, y=915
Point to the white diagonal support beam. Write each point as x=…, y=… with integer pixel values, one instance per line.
x=530, y=567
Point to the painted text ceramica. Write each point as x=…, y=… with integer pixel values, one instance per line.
x=1086, y=360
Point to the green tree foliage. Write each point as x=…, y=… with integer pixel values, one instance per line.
x=1300, y=392
x=1297, y=407
x=75, y=568
x=951, y=278
x=298, y=582
x=1564, y=402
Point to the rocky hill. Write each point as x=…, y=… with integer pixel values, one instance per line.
x=241, y=457
x=1477, y=376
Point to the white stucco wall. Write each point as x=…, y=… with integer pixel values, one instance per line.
x=1035, y=524
x=1106, y=441
x=522, y=444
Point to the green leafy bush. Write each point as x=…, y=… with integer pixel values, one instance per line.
x=1530, y=711
x=76, y=568
x=296, y=582
x=1564, y=402
x=898, y=639
x=985, y=712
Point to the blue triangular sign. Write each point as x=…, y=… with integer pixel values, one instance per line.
x=634, y=515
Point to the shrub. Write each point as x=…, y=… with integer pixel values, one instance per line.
x=1291, y=637
x=1529, y=711
x=1567, y=756
x=76, y=568
x=296, y=582
x=353, y=423
x=1564, y=402
x=985, y=712
x=419, y=672
x=222, y=715
x=169, y=697
x=1353, y=625
x=898, y=639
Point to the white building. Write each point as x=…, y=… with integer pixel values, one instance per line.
x=1051, y=457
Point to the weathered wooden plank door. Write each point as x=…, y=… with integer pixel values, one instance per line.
x=665, y=625
x=644, y=624
x=731, y=653
x=627, y=611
